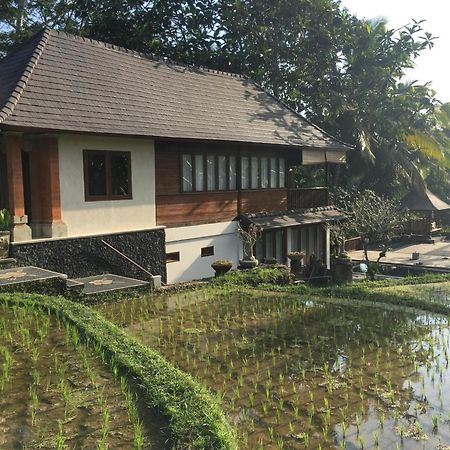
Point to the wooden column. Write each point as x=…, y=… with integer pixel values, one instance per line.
x=14, y=174
x=45, y=189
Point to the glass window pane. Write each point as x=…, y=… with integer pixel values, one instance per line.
x=273, y=172
x=232, y=172
x=96, y=174
x=211, y=172
x=268, y=240
x=120, y=171
x=294, y=240
x=282, y=173
x=279, y=246
x=244, y=173
x=264, y=173
x=259, y=249
x=199, y=173
x=255, y=172
x=222, y=173
x=187, y=173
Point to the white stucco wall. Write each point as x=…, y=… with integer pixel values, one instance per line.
x=85, y=218
x=190, y=240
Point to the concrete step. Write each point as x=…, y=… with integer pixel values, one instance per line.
x=32, y=279
x=7, y=263
x=100, y=284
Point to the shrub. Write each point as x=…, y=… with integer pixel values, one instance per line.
x=256, y=277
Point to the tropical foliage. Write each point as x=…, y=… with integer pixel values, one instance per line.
x=345, y=74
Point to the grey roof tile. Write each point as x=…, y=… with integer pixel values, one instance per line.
x=61, y=82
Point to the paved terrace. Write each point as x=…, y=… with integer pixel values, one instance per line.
x=435, y=255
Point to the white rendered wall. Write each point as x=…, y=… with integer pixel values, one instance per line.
x=190, y=240
x=86, y=218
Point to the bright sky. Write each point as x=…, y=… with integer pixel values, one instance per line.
x=434, y=64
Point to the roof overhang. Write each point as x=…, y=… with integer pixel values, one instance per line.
x=294, y=218
x=322, y=156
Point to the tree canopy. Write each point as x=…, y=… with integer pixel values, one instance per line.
x=343, y=73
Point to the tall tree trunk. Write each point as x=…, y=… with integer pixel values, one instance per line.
x=21, y=12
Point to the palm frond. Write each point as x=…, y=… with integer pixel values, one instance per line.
x=427, y=145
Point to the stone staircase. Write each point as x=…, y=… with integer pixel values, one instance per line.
x=36, y=279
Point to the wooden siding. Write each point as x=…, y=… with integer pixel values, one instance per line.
x=192, y=209
x=263, y=200
x=307, y=198
x=176, y=208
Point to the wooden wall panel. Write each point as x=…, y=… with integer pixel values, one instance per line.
x=190, y=209
x=167, y=172
x=267, y=200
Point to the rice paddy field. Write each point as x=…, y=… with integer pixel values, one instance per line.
x=56, y=393
x=296, y=373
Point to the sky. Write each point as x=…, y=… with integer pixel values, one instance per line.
x=433, y=65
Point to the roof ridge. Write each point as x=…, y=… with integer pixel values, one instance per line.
x=300, y=116
x=13, y=99
x=149, y=56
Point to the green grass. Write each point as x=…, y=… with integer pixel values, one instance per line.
x=381, y=291
x=195, y=418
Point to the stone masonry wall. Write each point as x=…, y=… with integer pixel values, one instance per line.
x=86, y=256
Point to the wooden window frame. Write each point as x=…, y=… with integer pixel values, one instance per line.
x=205, y=172
x=269, y=167
x=109, y=196
x=207, y=251
x=172, y=257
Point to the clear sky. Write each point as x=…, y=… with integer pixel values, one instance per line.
x=434, y=64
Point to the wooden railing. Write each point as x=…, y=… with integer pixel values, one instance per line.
x=307, y=198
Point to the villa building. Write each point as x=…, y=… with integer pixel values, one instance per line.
x=104, y=147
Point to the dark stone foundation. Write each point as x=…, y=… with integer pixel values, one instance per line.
x=86, y=256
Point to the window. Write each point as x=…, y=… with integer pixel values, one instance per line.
x=187, y=173
x=207, y=251
x=272, y=244
x=263, y=172
x=107, y=175
x=255, y=172
x=172, y=257
x=245, y=184
x=222, y=173
x=281, y=173
x=199, y=173
x=273, y=172
x=208, y=173
x=232, y=173
x=211, y=172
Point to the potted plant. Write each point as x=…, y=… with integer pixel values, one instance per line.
x=5, y=220
x=249, y=236
x=296, y=262
x=221, y=266
x=342, y=268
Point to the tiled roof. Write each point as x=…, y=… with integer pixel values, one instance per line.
x=294, y=217
x=61, y=82
x=418, y=200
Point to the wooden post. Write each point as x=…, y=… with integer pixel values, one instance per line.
x=45, y=189
x=16, y=202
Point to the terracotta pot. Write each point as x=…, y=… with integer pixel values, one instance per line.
x=221, y=269
x=4, y=244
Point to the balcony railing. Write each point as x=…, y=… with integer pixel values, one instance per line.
x=307, y=198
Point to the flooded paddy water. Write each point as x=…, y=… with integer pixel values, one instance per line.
x=56, y=394
x=294, y=373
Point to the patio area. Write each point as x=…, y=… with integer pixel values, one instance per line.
x=435, y=255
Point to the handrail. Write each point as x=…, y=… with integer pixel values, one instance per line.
x=128, y=259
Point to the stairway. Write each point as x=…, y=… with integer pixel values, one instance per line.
x=36, y=279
